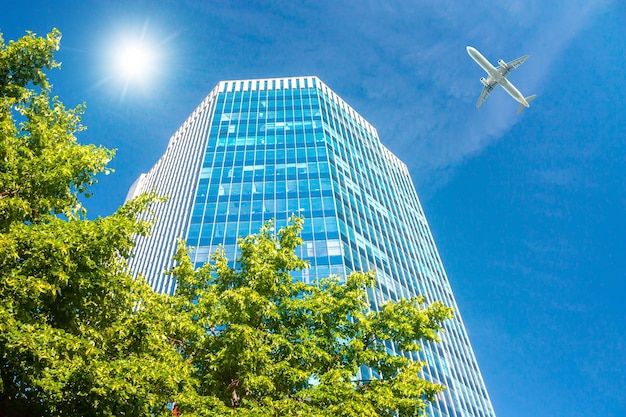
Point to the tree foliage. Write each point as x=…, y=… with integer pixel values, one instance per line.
x=264, y=344
x=43, y=169
x=71, y=339
x=80, y=336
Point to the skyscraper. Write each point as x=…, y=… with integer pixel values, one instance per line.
x=265, y=149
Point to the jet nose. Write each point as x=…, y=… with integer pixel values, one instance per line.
x=469, y=49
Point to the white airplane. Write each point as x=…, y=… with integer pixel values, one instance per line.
x=498, y=76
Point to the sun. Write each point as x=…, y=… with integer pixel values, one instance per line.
x=134, y=60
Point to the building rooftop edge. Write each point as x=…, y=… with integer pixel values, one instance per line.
x=289, y=83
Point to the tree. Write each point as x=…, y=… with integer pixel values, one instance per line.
x=72, y=340
x=80, y=336
x=262, y=344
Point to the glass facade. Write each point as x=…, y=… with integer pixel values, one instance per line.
x=265, y=149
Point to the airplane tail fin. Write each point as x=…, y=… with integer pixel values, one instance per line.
x=528, y=100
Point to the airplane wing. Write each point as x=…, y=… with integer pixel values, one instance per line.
x=483, y=96
x=510, y=66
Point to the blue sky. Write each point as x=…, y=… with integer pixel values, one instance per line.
x=528, y=212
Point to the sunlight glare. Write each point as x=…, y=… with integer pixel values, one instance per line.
x=134, y=61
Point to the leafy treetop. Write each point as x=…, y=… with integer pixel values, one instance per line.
x=264, y=344
x=42, y=168
x=72, y=340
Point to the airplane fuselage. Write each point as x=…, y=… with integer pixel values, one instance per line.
x=494, y=75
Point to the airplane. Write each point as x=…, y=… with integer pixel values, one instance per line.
x=498, y=76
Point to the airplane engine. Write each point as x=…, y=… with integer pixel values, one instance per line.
x=502, y=63
x=484, y=81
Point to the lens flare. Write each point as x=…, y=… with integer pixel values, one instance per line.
x=134, y=61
